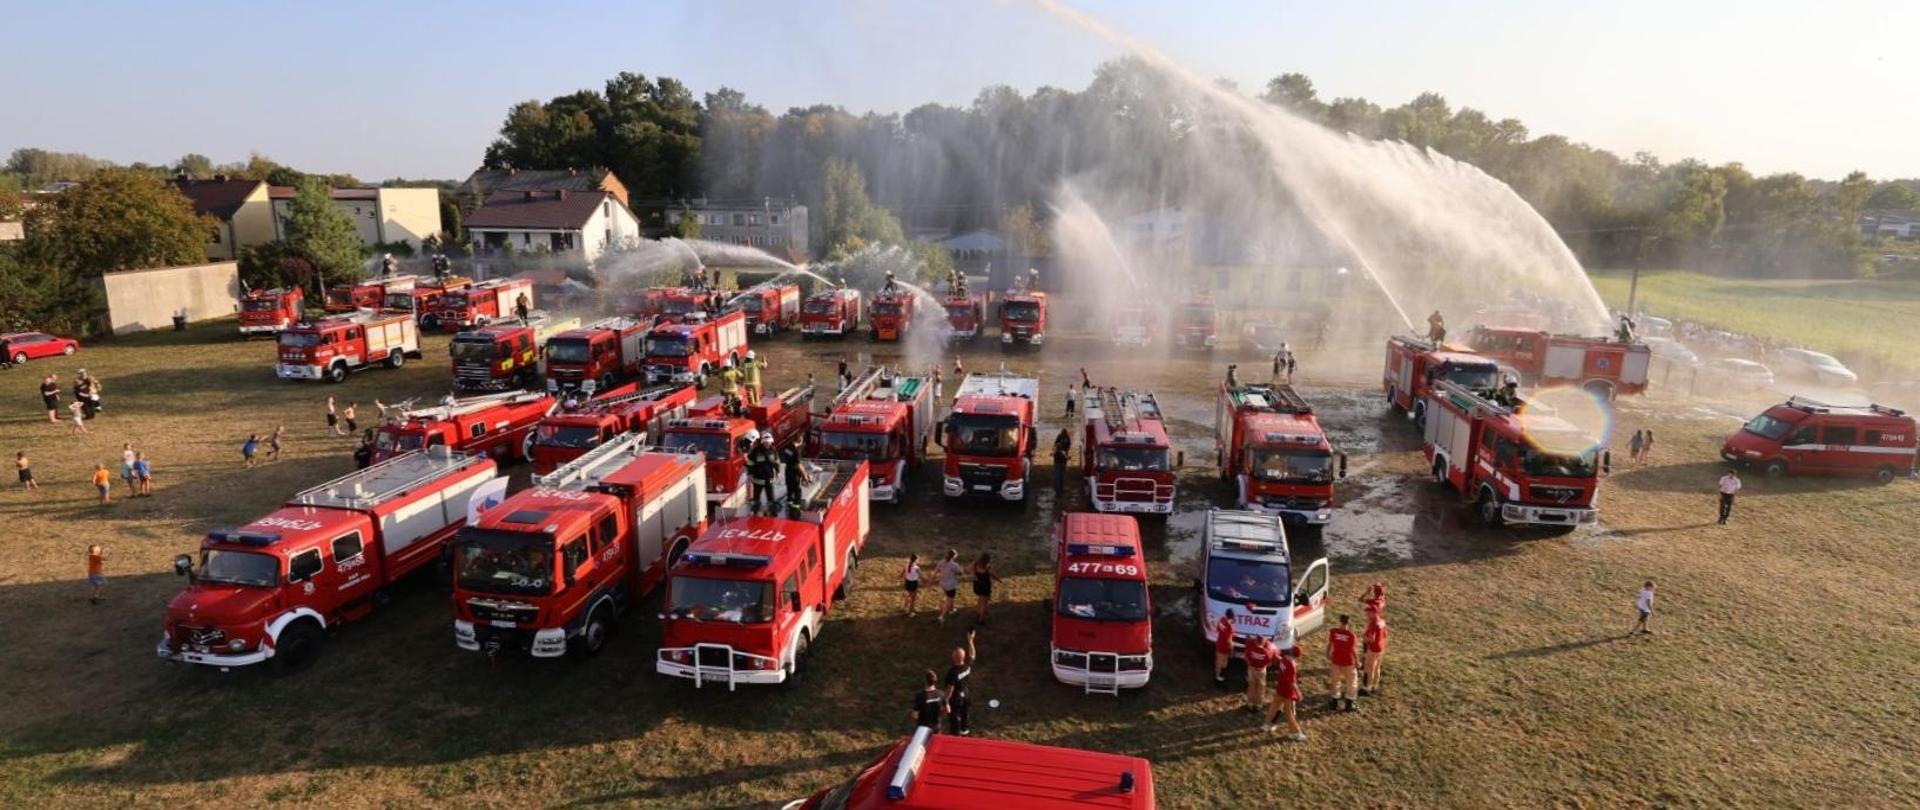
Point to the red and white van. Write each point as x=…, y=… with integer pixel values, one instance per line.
x=1102, y=617
x=1804, y=436
x=1249, y=570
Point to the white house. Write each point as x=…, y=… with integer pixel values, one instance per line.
x=380, y=215
x=560, y=221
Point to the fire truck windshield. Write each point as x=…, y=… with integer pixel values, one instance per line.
x=848, y=445
x=1133, y=459
x=751, y=304
x=399, y=300
x=340, y=296
x=570, y=350
x=1475, y=377
x=1768, y=427
x=680, y=306
x=260, y=305
x=519, y=563
x=977, y=434
x=1022, y=311
x=1242, y=581
x=1103, y=600
x=960, y=312
x=244, y=568
x=818, y=306
x=300, y=340
x=721, y=600
x=1557, y=464
x=577, y=436
x=474, y=351
x=670, y=346
x=713, y=445
x=1293, y=466
x=1197, y=316
x=886, y=307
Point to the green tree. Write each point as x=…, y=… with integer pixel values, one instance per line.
x=1295, y=92
x=1893, y=197
x=1025, y=231
x=847, y=214
x=38, y=167
x=933, y=262
x=687, y=226
x=322, y=234
x=119, y=219
x=195, y=165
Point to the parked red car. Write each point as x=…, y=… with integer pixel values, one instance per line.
x=19, y=347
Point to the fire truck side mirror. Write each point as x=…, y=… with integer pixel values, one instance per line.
x=1180, y=458
x=1606, y=462
x=182, y=565
x=1343, y=465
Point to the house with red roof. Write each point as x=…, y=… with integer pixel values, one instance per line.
x=582, y=223
x=242, y=208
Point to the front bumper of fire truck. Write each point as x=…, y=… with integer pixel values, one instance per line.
x=1136, y=338
x=289, y=371
x=1294, y=510
x=1547, y=515
x=818, y=328
x=879, y=490
x=958, y=333
x=718, y=663
x=232, y=654
x=666, y=374
x=550, y=642
x=1029, y=338
x=1100, y=668
x=955, y=487
x=1127, y=507
x=762, y=328
x=261, y=328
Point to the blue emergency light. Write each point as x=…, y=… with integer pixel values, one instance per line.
x=243, y=538
x=1098, y=550
x=728, y=560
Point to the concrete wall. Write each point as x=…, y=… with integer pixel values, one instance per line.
x=148, y=299
x=410, y=214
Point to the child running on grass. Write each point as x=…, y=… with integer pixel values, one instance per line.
x=102, y=482
x=97, y=567
x=25, y=467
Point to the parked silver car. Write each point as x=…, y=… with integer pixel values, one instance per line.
x=1811, y=365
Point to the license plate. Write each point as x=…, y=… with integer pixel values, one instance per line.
x=500, y=623
x=982, y=488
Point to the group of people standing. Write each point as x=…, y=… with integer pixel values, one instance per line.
x=1353, y=660
x=948, y=572
x=86, y=399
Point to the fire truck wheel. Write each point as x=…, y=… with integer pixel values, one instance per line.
x=846, y=582
x=1393, y=399
x=1440, y=470
x=337, y=373
x=430, y=322
x=1420, y=414
x=1883, y=475
x=396, y=360
x=594, y=636
x=526, y=448
x=1776, y=469
x=1490, y=510
x=793, y=665
x=297, y=645
x=678, y=548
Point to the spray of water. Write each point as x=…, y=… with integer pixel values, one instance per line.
x=1429, y=231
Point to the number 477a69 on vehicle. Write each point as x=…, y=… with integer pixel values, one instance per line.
x=1102, y=620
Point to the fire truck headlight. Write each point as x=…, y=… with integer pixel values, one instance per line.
x=1006, y=337
x=1211, y=340
x=463, y=630
x=237, y=644
x=1037, y=339
x=679, y=656
x=553, y=386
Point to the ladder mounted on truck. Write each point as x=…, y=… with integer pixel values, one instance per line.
x=647, y=394
x=1469, y=400
x=595, y=464
x=397, y=476
x=998, y=384
x=618, y=322
x=862, y=385
x=467, y=405
x=1275, y=397
x=1119, y=409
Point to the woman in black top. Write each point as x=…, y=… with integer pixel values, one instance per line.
x=983, y=579
x=929, y=703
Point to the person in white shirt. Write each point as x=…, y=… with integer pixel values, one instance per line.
x=1729, y=484
x=910, y=580
x=1645, y=605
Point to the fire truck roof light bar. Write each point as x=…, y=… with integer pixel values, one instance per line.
x=1813, y=405
x=244, y=537
x=911, y=759
x=728, y=560
x=1099, y=550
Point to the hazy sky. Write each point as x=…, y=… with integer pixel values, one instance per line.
x=418, y=89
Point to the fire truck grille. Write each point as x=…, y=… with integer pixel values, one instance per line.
x=489, y=611
x=1555, y=494
x=202, y=636
x=983, y=474
x=721, y=658
x=1281, y=502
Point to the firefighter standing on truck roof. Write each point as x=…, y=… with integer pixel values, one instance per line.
x=729, y=382
x=521, y=308
x=1436, y=327
x=762, y=464
x=796, y=474
x=752, y=367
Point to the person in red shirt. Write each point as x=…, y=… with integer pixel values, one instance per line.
x=1340, y=652
x=1222, y=647
x=1259, y=653
x=1373, y=647
x=1375, y=599
x=1286, y=694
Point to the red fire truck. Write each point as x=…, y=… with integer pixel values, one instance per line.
x=1023, y=318
x=688, y=351
x=495, y=425
x=565, y=435
x=753, y=592
x=1805, y=436
x=423, y=299
x=1413, y=365
x=691, y=303
x=989, y=437
x=885, y=419
x=483, y=303
x=931, y=771
x=1128, y=459
x=597, y=356
x=1133, y=326
x=891, y=315
x=1199, y=324
x=771, y=307
x=503, y=355
x=274, y=587
x=267, y=312
x=1517, y=465
x=725, y=440
x=1102, y=618
x=368, y=294
x=966, y=315
x=1603, y=367
x=329, y=348
x=831, y=312
x=649, y=302
x=552, y=566
x=1271, y=448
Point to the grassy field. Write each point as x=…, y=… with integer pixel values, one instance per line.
x=1782, y=672
x=1871, y=323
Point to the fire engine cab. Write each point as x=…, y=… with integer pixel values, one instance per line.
x=965, y=315
x=771, y=307
x=1023, y=318
x=1517, y=464
x=1605, y=368
x=1805, y=436
x=1126, y=454
x=483, y=303
x=1102, y=618
x=690, y=303
x=749, y=597
x=275, y=587
x=690, y=351
x=1199, y=324
x=892, y=314
x=496, y=425
x=885, y=419
x=422, y=300
x=1133, y=327
x=597, y=356
x=830, y=312
x=329, y=348
x=565, y=435
x=1413, y=365
x=931, y=771
x=371, y=294
x=552, y=566
x=503, y=355
x=1272, y=450
x=726, y=439
x=1249, y=570
x=989, y=438
x=267, y=312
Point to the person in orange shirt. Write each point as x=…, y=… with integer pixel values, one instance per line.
x=96, y=570
x=1373, y=647
x=1222, y=647
x=1259, y=653
x=102, y=481
x=1340, y=653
